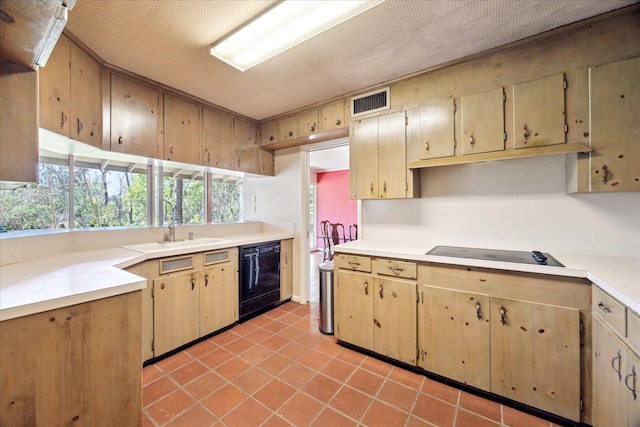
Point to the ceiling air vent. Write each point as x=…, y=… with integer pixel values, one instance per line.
x=370, y=102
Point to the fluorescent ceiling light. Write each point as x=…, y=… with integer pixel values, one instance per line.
x=282, y=27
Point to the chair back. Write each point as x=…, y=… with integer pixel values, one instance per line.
x=353, y=232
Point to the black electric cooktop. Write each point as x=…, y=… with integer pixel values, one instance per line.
x=522, y=257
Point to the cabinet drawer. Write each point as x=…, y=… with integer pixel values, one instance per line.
x=633, y=329
x=353, y=262
x=611, y=311
x=404, y=269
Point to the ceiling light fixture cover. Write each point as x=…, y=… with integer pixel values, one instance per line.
x=282, y=27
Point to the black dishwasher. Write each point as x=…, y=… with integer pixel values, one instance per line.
x=259, y=278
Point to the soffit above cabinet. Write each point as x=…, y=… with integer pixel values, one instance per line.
x=168, y=42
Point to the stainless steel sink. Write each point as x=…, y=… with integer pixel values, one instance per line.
x=200, y=242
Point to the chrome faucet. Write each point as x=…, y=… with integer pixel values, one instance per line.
x=172, y=228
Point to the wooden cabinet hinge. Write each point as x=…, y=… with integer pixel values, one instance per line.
x=564, y=84
x=581, y=405
x=504, y=136
x=504, y=96
x=152, y=290
x=153, y=346
x=422, y=294
x=566, y=128
x=455, y=108
x=417, y=354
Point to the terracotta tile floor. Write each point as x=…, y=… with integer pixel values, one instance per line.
x=277, y=369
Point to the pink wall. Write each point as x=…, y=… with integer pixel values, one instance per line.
x=333, y=200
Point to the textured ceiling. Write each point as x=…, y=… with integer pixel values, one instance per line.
x=168, y=41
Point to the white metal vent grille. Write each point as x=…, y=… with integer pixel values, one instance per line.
x=216, y=257
x=370, y=102
x=176, y=264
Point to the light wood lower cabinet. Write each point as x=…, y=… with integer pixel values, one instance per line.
x=76, y=365
x=187, y=297
x=521, y=336
x=286, y=269
x=375, y=312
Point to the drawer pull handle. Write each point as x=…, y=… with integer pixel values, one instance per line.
x=366, y=287
x=633, y=387
x=353, y=264
x=478, y=310
x=503, y=315
x=396, y=270
x=603, y=307
x=380, y=291
x=613, y=361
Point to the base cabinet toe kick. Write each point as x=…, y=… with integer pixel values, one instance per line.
x=523, y=336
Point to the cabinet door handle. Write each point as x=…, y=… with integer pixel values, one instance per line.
x=380, y=289
x=171, y=149
x=63, y=120
x=396, y=270
x=371, y=188
x=478, y=310
x=503, y=315
x=286, y=260
x=526, y=133
x=80, y=125
x=120, y=140
x=384, y=187
x=626, y=382
x=208, y=156
x=338, y=121
x=290, y=133
x=606, y=176
x=206, y=280
x=603, y=307
x=193, y=283
x=312, y=128
x=613, y=361
x=426, y=146
x=366, y=287
x=471, y=140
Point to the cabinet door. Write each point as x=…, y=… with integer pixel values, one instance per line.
x=175, y=308
x=539, y=112
x=218, y=298
x=247, y=156
x=267, y=166
x=608, y=386
x=268, y=133
x=288, y=128
x=395, y=319
x=354, y=309
x=86, y=98
x=55, y=89
x=614, y=99
x=286, y=269
x=182, y=130
x=19, y=122
x=462, y=353
x=363, y=159
x=437, y=133
x=332, y=116
x=134, y=118
x=217, y=139
x=631, y=378
x=522, y=332
x=308, y=123
x=392, y=156
x=483, y=122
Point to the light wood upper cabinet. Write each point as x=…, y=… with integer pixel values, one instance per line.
x=535, y=355
x=70, y=94
x=267, y=166
x=217, y=139
x=247, y=155
x=19, y=129
x=378, y=158
x=539, y=112
x=55, y=89
x=308, y=123
x=268, y=133
x=614, y=99
x=288, y=128
x=462, y=353
x=483, y=121
x=436, y=129
x=134, y=118
x=182, y=130
x=363, y=159
x=332, y=116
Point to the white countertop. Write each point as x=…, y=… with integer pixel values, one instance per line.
x=618, y=276
x=70, y=278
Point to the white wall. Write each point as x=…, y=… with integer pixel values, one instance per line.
x=515, y=204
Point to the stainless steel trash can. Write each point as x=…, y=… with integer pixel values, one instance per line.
x=326, y=297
